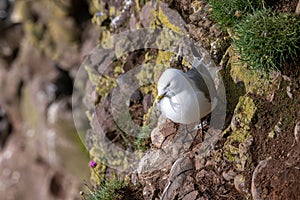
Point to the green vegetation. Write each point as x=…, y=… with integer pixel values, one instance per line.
x=107, y=190
x=266, y=39
x=142, y=143
x=229, y=12
x=262, y=38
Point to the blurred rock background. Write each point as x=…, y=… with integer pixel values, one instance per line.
x=256, y=155
x=42, y=44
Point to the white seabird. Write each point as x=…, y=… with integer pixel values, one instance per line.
x=187, y=97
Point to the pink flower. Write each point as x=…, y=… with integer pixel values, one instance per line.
x=93, y=164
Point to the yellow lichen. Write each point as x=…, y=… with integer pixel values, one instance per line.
x=271, y=134
x=197, y=6
x=105, y=85
x=112, y=11
x=99, y=5
x=237, y=145
x=107, y=41
x=118, y=70
x=229, y=156
x=243, y=115
x=137, y=5
x=255, y=81
x=98, y=18
x=150, y=71
x=161, y=20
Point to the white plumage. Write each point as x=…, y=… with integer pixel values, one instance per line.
x=186, y=97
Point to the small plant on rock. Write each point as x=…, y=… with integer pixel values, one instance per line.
x=107, y=189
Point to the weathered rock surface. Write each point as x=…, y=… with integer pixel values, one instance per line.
x=261, y=112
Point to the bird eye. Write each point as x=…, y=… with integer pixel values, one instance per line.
x=167, y=86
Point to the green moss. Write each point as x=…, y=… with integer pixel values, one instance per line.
x=113, y=155
x=149, y=123
x=240, y=135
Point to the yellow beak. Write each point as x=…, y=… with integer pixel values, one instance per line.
x=158, y=98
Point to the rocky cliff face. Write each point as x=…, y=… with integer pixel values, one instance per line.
x=46, y=46
x=257, y=137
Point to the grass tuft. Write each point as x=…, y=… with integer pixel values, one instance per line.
x=265, y=40
x=227, y=13
x=108, y=190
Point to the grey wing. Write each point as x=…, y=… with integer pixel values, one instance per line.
x=203, y=81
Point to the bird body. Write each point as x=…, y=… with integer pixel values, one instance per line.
x=186, y=97
x=183, y=102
